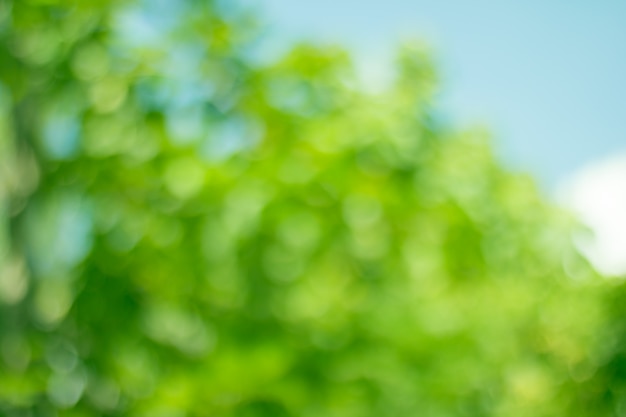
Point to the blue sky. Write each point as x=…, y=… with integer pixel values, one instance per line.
x=548, y=77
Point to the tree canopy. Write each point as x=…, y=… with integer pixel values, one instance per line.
x=187, y=231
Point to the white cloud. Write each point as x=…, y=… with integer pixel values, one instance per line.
x=598, y=195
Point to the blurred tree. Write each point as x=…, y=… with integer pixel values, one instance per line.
x=186, y=231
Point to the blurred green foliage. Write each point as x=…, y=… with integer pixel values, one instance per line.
x=188, y=232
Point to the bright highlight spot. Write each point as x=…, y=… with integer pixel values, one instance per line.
x=598, y=195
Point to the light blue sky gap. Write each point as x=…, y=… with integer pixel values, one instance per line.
x=548, y=77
